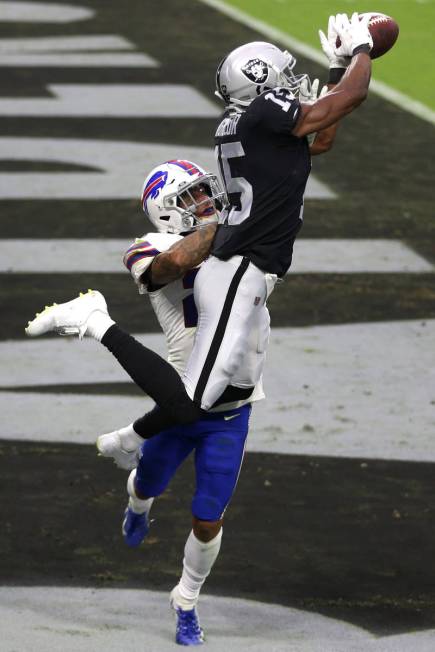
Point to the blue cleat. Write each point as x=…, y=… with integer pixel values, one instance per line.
x=188, y=630
x=135, y=527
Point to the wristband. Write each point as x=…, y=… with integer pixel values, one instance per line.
x=335, y=74
x=365, y=47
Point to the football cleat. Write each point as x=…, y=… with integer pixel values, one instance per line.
x=135, y=527
x=123, y=446
x=188, y=630
x=68, y=318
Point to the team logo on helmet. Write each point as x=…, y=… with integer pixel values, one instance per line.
x=154, y=185
x=256, y=71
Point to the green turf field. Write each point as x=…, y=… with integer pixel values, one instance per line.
x=408, y=67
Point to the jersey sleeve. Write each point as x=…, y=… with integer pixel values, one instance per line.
x=139, y=257
x=277, y=111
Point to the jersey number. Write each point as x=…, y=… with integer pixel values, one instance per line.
x=234, y=185
x=285, y=105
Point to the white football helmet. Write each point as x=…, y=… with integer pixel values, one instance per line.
x=253, y=68
x=168, y=197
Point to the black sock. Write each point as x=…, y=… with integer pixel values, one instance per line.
x=157, y=378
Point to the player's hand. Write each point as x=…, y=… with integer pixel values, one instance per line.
x=328, y=44
x=307, y=91
x=352, y=33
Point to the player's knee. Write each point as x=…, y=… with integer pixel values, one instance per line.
x=149, y=486
x=205, y=531
x=206, y=508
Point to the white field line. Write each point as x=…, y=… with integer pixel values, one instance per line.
x=339, y=256
x=73, y=619
x=42, y=12
x=78, y=619
x=352, y=390
x=380, y=88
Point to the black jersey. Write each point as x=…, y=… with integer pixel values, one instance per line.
x=265, y=170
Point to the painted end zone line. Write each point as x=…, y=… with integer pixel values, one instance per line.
x=310, y=256
x=382, y=405
x=383, y=90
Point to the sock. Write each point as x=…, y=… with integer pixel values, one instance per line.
x=138, y=505
x=198, y=560
x=156, y=377
x=98, y=324
x=153, y=422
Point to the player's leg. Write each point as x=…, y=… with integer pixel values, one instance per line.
x=230, y=297
x=161, y=457
x=218, y=459
x=233, y=328
x=231, y=338
x=88, y=315
x=254, y=357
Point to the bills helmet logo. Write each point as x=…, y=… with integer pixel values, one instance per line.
x=256, y=71
x=153, y=186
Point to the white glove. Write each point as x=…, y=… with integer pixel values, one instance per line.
x=329, y=44
x=311, y=137
x=311, y=95
x=306, y=93
x=352, y=33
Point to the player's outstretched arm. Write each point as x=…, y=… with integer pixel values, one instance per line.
x=185, y=254
x=348, y=94
x=320, y=141
x=323, y=140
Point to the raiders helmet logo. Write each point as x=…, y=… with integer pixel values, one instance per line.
x=256, y=71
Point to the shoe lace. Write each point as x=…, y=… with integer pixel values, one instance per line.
x=188, y=622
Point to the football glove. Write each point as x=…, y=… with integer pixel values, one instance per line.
x=352, y=33
x=328, y=44
x=311, y=95
x=305, y=93
x=311, y=137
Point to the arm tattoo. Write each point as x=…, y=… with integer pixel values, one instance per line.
x=182, y=256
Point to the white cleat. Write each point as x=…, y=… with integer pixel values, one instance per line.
x=69, y=318
x=123, y=446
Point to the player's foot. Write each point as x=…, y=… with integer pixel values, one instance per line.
x=122, y=445
x=135, y=527
x=69, y=318
x=188, y=630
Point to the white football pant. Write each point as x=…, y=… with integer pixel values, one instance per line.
x=233, y=328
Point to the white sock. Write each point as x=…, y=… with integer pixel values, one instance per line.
x=98, y=323
x=198, y=561
x=138, y=505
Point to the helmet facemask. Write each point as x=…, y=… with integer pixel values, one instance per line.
x=197, y=202
x=287, y=78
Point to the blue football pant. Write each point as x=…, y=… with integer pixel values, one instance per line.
x=218, y=440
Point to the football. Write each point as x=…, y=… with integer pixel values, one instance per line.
x=384, y=31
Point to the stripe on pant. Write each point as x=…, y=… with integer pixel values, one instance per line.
x=220, y=331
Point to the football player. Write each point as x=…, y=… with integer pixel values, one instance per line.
x=178, y=197
x=264, y=158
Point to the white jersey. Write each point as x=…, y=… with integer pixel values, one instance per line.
x=173, y=304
